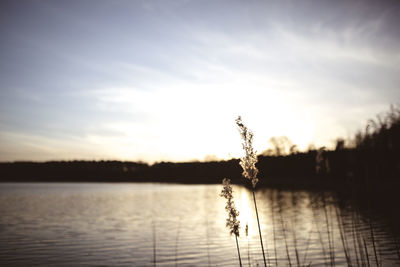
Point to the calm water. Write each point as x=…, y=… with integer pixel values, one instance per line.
x=180, y=225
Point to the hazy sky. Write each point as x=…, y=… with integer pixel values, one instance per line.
x=165, y=80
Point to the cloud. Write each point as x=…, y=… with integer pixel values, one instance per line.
x=156, y=81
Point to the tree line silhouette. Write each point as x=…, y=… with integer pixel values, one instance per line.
x=371, y=159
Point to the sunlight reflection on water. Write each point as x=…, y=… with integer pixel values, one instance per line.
x=105, y=224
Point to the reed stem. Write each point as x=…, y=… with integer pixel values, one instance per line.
x=366, y=252
x=248, y=252
x=285, y=238
x=237, y=245
x=176, y=243
x=273, y=228
x=248, y=243
x=373, y=243
x=259, y=228
x=154, y=244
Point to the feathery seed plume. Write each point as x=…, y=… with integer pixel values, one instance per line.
x=232, y=223
x=248, y=162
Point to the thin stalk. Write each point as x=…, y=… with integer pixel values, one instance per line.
x=176, y=243
x=373, y=243
x=248, y=251
x=396, y=244
x=285, y=238
x=308, y=246
x=295, y=248
x=331, y=255
x=372, y=234
x=294, y=230
x=273, y=228
x=353, y=228
x=361, y=248
x=237, y=245
x=295, y=241
x=366, y=252
x=332, y=235
x=343, y=236
x=259, y=228
x=248, y=243
x=359, y=239
x=275, y=248
x=319, y=235
x=154, y=244
x=208, y=242
x=297, y=254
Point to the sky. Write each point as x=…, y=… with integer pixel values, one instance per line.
x=165, y=80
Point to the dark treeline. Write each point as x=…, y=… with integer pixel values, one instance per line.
x=118, y=171
x=371, y=159
x=275, y=169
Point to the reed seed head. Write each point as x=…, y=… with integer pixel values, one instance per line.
x=231, y=222
x=249, y=160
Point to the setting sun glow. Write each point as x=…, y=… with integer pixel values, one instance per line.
x=165, y=80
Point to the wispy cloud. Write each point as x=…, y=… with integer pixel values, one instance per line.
x=164, y=80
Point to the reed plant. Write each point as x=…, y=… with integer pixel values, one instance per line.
x=246, y=230
x=231, y=222
x=250, y=171
x=154, y=243
x=274, y=228
x=208, y=241
x=343, y=237
x=360, y=246
x=177, y=241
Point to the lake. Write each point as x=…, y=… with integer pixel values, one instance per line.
x=139, y=224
